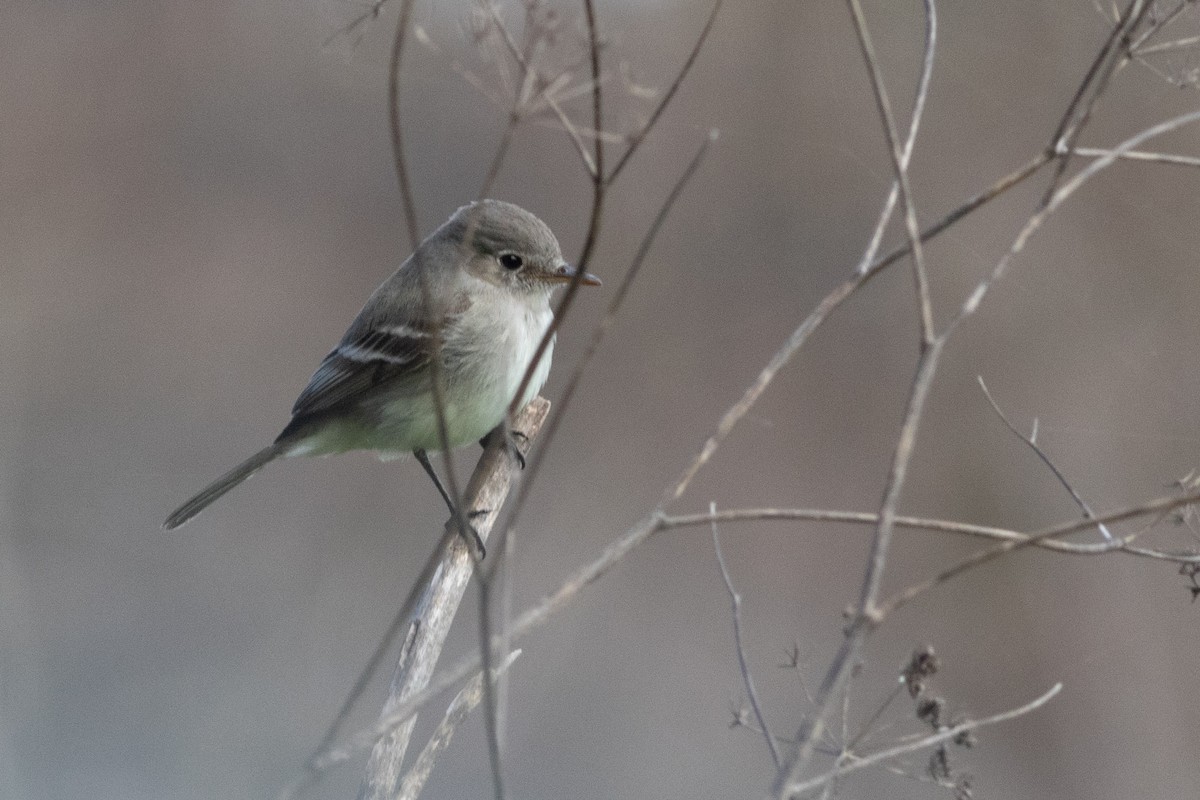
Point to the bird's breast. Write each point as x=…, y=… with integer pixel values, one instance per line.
x=485, y=359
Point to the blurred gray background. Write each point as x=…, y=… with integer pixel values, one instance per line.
x=199, y=196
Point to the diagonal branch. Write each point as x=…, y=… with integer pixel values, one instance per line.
x=636, y=139
x=1031, y=441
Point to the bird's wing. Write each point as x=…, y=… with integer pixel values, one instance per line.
x=380, y=353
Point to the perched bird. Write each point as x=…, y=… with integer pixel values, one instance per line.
x=477, y=294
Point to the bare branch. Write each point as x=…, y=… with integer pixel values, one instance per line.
x=1177, y=44
x=914, y=124
x=1159, y=25
x=1118, y=545
x=1031, y=440
x=1159, y=507
x=406, y=193
x=463, y=703
x=1138, y=155
x=538, y=614
x=1059, y=196
x=547, y=94
x=735, y=600
x=636, y=139
x=486, y=492
x=598, y=192
x=867, y=615
x=800, y=787
x=438, y=593
x=838, y=295
x=1094, y=84
x=899, y=161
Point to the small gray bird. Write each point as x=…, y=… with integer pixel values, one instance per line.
x=482, y=284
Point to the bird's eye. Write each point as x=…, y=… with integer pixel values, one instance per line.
x=511, y=261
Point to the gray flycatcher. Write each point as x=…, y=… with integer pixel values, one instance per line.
x=480, y=284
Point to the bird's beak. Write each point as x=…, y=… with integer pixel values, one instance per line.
x=565, y=273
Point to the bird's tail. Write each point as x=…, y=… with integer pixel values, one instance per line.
x=217, y=489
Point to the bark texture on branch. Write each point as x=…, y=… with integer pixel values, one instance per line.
x=434, y=612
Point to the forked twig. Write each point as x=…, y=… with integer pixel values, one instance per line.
x=616, y=552
x=1031, y=441
x=898, y=155
x=735, y=601
x=891, y=753
x=398, y=160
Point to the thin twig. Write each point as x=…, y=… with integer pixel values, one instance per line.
x=1138, y=155
x=1160, y=507
x=800, y=787
x=899, y=162
x=1031, y=441
x=462, y=705
x=866, y=615
x=1062, y=194
x=889, y=205
x=637, y=138
x=1175, y=44
x=401, y=619
x=1119, y=545
x=868, y=725
x=546, y=94
x=1095, y=82
x=1160, y=24
x=860, y=277
x=406, y=193
x=594, y=218
x=735, y=601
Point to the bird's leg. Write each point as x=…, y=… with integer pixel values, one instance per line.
x=510, y=441
x=470, y=534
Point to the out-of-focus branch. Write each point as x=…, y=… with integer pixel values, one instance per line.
x=1139, y=155
x=397, y=130
x=637, y=138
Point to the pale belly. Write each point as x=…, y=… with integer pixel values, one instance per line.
x=480, y=383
